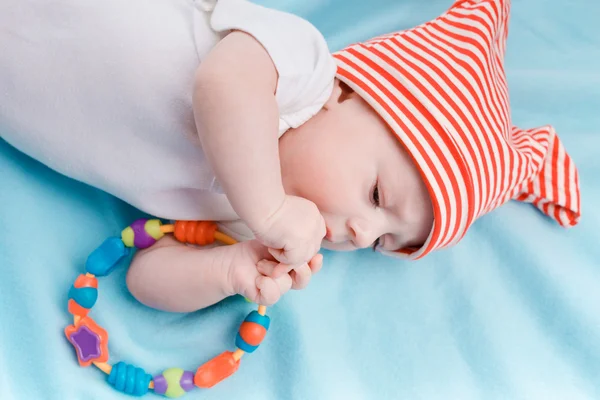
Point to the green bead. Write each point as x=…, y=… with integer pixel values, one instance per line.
x=173, y=377
x=152, y=228
x=127, y=236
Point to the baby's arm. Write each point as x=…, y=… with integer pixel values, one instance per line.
x=237, y=118
x=174, y=277
x=238, y=123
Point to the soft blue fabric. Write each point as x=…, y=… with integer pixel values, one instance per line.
x=510, y=313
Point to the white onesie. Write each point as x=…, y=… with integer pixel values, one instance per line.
x=101, y=91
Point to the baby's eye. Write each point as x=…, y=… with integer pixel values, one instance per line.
x=375, y=194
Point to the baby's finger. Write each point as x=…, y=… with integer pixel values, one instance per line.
x=299, y=255
x=266, y=267
x=279, y=255
x=301, y=277
x=285, y=283
x=316, y=263
x=280, y=270
x=270, y=290
x=272, y=269
x=296, y=256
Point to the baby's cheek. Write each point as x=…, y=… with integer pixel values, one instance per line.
x=318, y=188
x=325, y=199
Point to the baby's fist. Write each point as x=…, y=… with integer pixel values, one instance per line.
x=294, y=232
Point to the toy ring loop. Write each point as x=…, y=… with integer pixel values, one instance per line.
x=91, y=340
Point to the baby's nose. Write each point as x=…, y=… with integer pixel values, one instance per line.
x=360, y=234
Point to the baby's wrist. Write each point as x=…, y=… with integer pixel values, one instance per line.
x=261, y=221
x=223, y=264
x=234, y=260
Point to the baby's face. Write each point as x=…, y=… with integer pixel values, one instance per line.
x=348, y=162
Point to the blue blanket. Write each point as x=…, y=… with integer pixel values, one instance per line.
x=511, y=313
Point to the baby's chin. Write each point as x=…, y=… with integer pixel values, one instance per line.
x=343, y=246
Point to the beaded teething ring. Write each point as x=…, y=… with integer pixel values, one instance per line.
x=91, y=341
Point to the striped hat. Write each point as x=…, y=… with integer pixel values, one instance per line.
x=442, y=90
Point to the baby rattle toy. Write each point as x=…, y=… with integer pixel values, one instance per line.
x=91, y=340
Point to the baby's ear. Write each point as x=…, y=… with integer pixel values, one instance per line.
x=340, y=93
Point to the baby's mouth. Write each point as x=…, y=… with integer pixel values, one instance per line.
x=338, y=246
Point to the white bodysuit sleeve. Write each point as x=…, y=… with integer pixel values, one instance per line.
x=298, y=50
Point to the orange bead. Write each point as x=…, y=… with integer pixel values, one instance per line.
x=195, y=232
x=216, y=370
x=83, y=295
x=76, y=309
x=86, y=281
x=252, y=333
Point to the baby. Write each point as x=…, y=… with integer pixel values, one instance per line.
x=232, y=112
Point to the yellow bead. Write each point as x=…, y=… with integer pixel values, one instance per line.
x=152, y=228
x=127, y=236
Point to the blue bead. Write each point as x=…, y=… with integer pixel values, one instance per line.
x=117, y=376
x=262, y=320
x=86, y=297
x=129, y=379
x=241, y=343
x=105, y=258
x=142, y=380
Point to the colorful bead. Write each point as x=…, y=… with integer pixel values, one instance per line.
x=83, y=295
x=216, y=370
x=127, y=236
x=90, y=341
x=76, y=309
x=174, y=382
x=129, y=379
x=84, y=280
x=152, y=228
x=252, y=331
x=105, y=258
x=195, y=232
x=142, y=233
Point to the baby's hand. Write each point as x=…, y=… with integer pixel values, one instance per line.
x=252, y=274
x=294, y=232
x=301, y=275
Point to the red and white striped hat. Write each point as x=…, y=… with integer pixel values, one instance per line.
x=442, y=90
